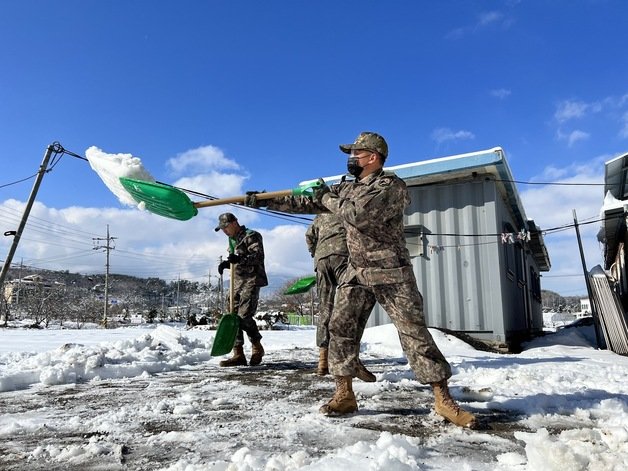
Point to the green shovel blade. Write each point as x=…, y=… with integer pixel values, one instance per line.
x=301, y=286
x=161, y=199
x=225, y=334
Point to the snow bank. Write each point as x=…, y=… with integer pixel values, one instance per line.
x=163, y=349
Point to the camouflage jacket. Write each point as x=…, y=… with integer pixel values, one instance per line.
x=371, y=210
x=249, y=246
x=326, y=236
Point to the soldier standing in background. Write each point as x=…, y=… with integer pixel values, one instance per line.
x=326, y=241
x=246, y=252
x=371, y=208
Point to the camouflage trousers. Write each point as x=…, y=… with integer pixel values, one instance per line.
x=245, y=300
x=403, y=302
x=329, y=272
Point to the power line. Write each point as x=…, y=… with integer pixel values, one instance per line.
x=519, y=182
x=18, y=181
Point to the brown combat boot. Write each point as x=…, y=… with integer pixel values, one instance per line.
x=256, y=354
x=238, y=358
x=323, y=365
x=445, y=405
x=343, y=400
x=364, y=374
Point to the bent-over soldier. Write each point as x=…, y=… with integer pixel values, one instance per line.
x=246, y=252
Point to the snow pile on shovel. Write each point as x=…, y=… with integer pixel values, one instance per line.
x=110, y=167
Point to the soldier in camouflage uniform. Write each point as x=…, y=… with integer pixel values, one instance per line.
x=246, y=255
x=327, y=243
x=372, y=208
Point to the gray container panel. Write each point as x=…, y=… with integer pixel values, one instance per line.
x=457, y=275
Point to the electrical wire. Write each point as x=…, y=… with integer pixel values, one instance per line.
x=18, y=181
x=156, y=260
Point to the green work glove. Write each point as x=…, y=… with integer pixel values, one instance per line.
x=320, y=190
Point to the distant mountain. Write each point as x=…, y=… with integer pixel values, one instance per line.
x=554, y=301
x=126, y=285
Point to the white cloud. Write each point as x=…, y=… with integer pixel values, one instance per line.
x=551, y=206
x=146, y=245
x=570, y=109
x=214, y=184
x=286, y=251
x=576, y=136
x=489, y=17
x=572, y=137
x=623, y=133
x=575, y=109
x=201, y=160
x=455, y=33
x=612, y=109
x=484, y=20
x=445, y=134
x=500, y=93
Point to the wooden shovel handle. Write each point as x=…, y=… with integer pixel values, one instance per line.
x=240, y=199
x=231, y=283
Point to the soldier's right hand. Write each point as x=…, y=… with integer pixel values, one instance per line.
x=320, y=190
x=252, y=201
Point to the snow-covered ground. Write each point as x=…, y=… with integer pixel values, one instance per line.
x=152, y=398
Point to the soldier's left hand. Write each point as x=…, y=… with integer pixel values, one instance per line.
x=224, y=264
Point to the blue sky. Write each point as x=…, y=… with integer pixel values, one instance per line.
x=258, y=95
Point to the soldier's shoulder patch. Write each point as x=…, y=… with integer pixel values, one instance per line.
x=385, y=180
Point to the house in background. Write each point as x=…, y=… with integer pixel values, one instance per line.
x=612, y=234
x=13, y=289
x=609, y=285
x=477, y=258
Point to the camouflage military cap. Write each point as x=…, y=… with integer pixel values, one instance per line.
x=224, y=220
x=369, y=141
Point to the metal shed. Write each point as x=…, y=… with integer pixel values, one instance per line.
x=476, y=256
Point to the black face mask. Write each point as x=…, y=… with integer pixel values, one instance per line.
x=353, y=167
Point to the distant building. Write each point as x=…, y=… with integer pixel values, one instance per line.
x=585, y=307
x=609, y=285
x=613, y=235
x=13, y=289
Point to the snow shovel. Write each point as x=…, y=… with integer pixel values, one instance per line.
x=169, y=201
x=228, y=326
x=301, y=286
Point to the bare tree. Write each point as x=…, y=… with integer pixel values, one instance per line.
x=41, y=304
x=86, y=309
x=303, y=304
x=4, y=311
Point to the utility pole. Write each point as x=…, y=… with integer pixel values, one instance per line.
x=43, y=168
x=109, y=240
x=587, y=282
x=178, y=281
x=209, y=292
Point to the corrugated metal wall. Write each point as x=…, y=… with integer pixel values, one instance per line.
x=460, y=277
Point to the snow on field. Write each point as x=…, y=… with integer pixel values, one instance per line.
x=153, y=398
